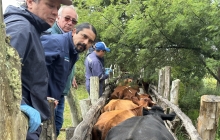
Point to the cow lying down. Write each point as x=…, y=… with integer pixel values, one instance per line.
x=149, y=127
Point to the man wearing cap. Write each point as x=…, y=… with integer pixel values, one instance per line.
x=25, y=25
x=94, y=64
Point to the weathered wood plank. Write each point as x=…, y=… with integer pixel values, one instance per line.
x=193, y=133
x=84, y=129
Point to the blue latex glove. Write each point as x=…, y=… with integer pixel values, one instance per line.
x=107, y=70
x=33, y=115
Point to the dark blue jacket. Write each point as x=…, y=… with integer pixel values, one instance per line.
x=55, y=29
x=95, y=67
x=25, y=29
x=60, y=57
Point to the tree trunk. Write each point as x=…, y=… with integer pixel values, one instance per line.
x=13, y=123
x=218, y=74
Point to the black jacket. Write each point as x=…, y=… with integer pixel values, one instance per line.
x=25, y=28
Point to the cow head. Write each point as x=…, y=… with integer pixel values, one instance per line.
x=158, y=111
x=144, y=102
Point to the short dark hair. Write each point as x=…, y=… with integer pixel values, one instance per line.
x=82, y=26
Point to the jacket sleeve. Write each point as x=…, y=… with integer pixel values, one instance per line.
x=51, y=48
x=98, y=70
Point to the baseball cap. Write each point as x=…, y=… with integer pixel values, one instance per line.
x=66, y=2
x=101, y=46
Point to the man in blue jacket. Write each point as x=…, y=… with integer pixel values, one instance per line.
x=65, y=22
x=24, y=25
x=62, y=52
x=94, y=64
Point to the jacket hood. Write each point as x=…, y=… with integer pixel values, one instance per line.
x=36, y=21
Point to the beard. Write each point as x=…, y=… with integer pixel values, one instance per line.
x=80, y=47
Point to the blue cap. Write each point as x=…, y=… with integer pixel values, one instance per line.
x=101, y=46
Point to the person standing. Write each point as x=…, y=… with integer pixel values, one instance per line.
x=65, y=22
x=24, y=25
x=61, y=51
x=94, y=64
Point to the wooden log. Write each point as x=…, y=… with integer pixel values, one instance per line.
x=13, y=123
x=94, y=89
x=194, y=135
x=85, y=105
x=48, y=129
x=84, y=129
x=69, y=132
x=72, y=101
x=209, y=116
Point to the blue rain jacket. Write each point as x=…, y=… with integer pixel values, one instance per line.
x=60, y=57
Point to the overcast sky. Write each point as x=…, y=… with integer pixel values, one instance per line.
x=5, y=3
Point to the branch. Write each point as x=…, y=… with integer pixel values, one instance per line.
x=209, y=70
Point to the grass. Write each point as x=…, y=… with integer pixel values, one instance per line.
x=81, y=93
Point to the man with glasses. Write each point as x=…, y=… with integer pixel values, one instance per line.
x=94, y=64
x=61, y=51
x=24, y=25
x=65, y=22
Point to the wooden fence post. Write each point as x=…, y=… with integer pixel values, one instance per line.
x=85, y=105
x=72, y=101
x=167, y=83
x=48, y=128
x=94, y=89
x=209, y=116
x=161, y=82
x=174, y=93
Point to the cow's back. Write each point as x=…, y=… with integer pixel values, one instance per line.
x=140, y=128
x=119, y=104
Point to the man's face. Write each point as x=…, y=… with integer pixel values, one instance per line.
x=45, y=9
x=83, y=39
x=66, y=20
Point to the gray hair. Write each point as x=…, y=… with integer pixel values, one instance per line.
x=23, y=3
x=67, y=6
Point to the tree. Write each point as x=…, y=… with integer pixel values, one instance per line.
x=152, y=34
x=13, y=123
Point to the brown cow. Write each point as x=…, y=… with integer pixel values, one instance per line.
x=124, y=92
x=120, y=104
x=125, y=82
x=107, y=120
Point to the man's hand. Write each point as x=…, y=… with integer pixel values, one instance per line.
x=74, y=84
x=107, y=70
x=33, y=115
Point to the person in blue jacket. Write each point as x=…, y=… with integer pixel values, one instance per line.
x=24, y=25
x=94, y=64
x=65, y=22
x=61, y=51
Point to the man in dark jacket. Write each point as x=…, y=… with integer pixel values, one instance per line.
x=62, y=51
x=24, y=25
x=94, y=64
x=65, y=22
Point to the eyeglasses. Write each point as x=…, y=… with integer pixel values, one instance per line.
x=67, y=19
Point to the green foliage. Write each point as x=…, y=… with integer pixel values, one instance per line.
x=153, y=34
